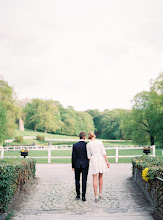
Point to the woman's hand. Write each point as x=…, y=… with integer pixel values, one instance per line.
x=108, y=164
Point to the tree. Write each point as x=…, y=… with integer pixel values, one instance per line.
x=7, y=98
x=32, y=116
x=146, y=118
x=42, y=115
x=68, y=118
x=21, y=104
x=73, y=122
x=96, y=115
x=110, y=124
x=144, y=124
x=49, y=116
x=3, y=123
x=157, y=90
x=126, y=124
x=84, y=122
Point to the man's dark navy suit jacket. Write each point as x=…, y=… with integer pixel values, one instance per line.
x=79, y=155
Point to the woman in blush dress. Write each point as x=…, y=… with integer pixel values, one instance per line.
x=98, y=162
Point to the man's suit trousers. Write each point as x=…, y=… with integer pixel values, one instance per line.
x=84, y=172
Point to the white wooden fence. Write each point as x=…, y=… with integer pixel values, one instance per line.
x=46, y=139
x=69, y=147
x=57, y=140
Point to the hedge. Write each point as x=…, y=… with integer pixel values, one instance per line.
x=155, y=165
x=40, y=138
x=145, y=171
x=19, y=139
x=14, y=173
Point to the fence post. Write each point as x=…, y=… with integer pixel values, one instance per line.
x=2, y=152
x=116, y=158
x=49, y=155
x=154, y=151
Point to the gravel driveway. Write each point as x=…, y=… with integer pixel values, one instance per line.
x=51, y=195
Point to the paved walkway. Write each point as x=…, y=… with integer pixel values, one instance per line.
x=52, y=196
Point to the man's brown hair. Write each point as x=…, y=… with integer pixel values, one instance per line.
x=82, y=134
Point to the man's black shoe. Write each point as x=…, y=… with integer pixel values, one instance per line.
x=83, y=198
x=78, y=197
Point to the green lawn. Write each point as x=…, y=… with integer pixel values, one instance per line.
x=44, y=153
x=115, y=143
x=57, y=136
x=30, y=142
x=47, y=135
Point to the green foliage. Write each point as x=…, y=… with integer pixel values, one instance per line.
x=144, y=124
x=144, y=117
x=32, y=117
x=19, y=139
x=126, y=125
x=96, y=115
x=155, y=165
x=9, y=215
x=3, y=123
x=46, y=135
x=7, y=98
x=13, y=174
x=51, y=116
x=84, y=122
x=42, y=115
x=108, y=123
x=40, y=137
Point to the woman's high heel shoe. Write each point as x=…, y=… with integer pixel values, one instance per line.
x=100, y=196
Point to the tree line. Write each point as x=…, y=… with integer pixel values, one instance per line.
x=143, y=124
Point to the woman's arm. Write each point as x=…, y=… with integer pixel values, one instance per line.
x=104, y=153
x=106, y=159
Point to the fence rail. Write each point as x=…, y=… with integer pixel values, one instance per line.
x=50, y=148
x=66, y=147
x=67, y=140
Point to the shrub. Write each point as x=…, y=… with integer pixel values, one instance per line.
x=19, y=139
x=40, y=137
x=145, y=171
x=155, y=165
x=13, y=174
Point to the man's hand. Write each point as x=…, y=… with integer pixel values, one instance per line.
x=73, y=169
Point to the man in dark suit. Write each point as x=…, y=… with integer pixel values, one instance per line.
x=80, y=164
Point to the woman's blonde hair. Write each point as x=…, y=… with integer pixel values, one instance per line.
x=91, y=135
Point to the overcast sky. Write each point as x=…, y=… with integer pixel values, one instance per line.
x=85, y=53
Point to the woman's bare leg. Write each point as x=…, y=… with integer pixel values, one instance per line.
x=100, y=182
x=95, y=184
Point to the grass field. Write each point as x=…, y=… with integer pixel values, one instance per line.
x=46, y=135
x=44, y=153
x=56, y=136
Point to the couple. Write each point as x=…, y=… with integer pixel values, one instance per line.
x=92, y=156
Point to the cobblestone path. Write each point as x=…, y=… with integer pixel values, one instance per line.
x=51, y=195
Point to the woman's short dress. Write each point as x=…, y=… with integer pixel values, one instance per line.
x=95, y=152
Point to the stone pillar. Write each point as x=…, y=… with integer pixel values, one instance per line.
x=21, y=125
